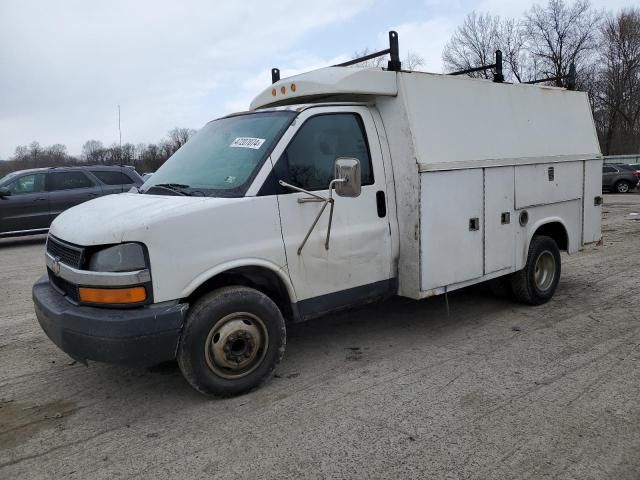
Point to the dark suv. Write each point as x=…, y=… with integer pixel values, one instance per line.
x=31, y=199
x=619, y=178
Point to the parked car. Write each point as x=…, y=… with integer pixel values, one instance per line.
x=619, y=178
x=31, y=199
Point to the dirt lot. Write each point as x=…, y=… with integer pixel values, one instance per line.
x=397, y=390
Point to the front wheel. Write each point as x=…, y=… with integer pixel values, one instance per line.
x=536, y=283
x=232, y=340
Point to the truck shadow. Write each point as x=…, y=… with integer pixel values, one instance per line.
x=355, y=337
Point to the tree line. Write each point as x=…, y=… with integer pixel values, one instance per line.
x=546, y=40
x=145, y=157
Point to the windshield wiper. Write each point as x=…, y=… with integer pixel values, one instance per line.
x=172, y=187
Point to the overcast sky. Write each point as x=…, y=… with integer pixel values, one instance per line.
x=66, y=65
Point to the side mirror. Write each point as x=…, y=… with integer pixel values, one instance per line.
x=5, y=192
x=347, y=172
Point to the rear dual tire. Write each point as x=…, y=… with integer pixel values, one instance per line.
x=536, y=283
x=232, y=340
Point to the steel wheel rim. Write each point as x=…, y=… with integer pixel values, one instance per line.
x=545, y=270
x=236, y=345
x=623, y=188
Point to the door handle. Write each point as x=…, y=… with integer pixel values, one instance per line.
x=41, y=199
x=381, y=204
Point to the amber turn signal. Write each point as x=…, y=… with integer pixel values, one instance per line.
x=113, y=295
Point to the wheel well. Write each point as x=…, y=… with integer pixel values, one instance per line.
x=260, y=278
x=556, y=231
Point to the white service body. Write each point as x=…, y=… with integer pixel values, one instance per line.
x=457, y=160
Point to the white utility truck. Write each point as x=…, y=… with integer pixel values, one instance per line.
x=338, y=187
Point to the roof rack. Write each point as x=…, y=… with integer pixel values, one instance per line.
x=393, y=51
x=571, y=78
x=498, y=77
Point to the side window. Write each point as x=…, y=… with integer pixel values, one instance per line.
x=27, y=184
x=310, y=157
x=110, y=177
x=68, y=180
x=608, y=169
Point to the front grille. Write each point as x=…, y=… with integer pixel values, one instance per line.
x=68, y=254
x=65, y=287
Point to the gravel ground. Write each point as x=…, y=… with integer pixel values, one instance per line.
x=396, y=390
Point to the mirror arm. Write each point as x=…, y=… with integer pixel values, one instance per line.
x=331, y=200
x=316, y=198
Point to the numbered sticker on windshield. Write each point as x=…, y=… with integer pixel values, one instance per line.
x=247, y=142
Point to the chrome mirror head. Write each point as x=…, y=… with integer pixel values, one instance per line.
x=348, y=177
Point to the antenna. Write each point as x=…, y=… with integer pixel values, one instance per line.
x=119, y=129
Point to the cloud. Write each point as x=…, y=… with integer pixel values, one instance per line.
x=166, y=63
x=426, y=39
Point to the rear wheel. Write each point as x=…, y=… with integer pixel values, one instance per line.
x=232, y=340
x=623, y=186
x=536, y=283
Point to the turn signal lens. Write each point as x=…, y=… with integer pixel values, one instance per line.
x=113, y=295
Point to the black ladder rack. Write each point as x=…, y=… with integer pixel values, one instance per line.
x=498, y=77
x=393, y=51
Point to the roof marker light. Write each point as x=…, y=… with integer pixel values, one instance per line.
x=293, y=87
x=283, y=90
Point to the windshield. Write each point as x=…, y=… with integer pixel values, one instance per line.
x=7, y=177
x=222, y=158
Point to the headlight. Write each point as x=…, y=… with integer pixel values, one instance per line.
x=125, y=257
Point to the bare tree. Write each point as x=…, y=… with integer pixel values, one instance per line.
x=558, y=35
x=616, y=98
x=178, y=137
x=473, y=44
x=92, y=151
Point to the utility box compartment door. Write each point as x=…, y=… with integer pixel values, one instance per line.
x=592, y=206
x=500, y=219
x=545, y=183
x=451, y=227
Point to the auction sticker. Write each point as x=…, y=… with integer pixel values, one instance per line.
x=247, y=142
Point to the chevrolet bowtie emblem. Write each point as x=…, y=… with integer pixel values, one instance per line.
x=55, y=266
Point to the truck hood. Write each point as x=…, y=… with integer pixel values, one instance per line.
x=119, y=218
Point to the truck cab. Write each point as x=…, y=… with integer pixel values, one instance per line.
x=337, y=188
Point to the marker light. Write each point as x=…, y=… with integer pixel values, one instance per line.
x=273, y=92
x=112, y=295
x=293, y=87
x=283, y=90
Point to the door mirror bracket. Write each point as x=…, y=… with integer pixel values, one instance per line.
x=347, y=184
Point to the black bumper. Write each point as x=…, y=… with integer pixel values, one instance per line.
x=141, y=336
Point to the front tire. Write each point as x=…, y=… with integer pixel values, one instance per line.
x=232, y=340
x=536, y=283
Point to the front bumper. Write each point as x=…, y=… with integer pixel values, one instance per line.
x=139, y=337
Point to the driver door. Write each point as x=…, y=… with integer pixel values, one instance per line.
x=357, y=265
x=27, y=208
